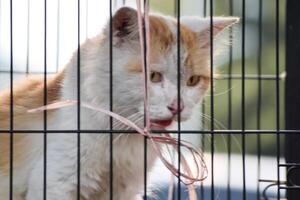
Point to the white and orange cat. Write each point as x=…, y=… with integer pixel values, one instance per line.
x=128, y=149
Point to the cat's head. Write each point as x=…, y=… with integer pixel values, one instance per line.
x=194, y=63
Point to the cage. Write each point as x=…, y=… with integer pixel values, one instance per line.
x=248, y=124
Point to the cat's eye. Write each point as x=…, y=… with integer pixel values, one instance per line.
x=156, y=77
x=193, y=80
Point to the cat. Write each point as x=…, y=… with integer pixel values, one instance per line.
x=128, y=96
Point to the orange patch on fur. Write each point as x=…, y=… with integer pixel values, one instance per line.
x=162, y=37
x=161, y=41
x=134, y=66
x=197, y=58
x=27, y=94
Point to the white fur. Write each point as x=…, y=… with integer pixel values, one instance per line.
x=128, y=150
x=199, y=24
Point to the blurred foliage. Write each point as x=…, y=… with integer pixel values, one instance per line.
x=258, y=114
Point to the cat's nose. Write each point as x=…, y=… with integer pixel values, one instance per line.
x=174, y=108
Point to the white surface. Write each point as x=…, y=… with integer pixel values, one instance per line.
x=268, y=167
x=62, y=16
x=28, y=31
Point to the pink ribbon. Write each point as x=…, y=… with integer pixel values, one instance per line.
x=165, y=139
x=170, y=166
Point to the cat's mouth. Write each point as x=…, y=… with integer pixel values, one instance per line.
x=161, y=124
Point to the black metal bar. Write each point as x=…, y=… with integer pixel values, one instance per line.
x=250, y=77
x=146, y=83
x=292, y=88
x=277, y=98
x=259, y=95
x=202, y=147
x=111, y=162
x=145, y=169
x=294, y=189
x=243, y=97
x=174, y=184
x=270, y=181
x=45, y=102
x=289, y=164
x=229, y=120
x=179, y=96
x=11, y=149
x=83, y=131
x=255, y=77
x=79, y=102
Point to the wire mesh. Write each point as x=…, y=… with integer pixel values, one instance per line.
x=213, y=132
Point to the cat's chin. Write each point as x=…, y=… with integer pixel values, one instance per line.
x=161, y=124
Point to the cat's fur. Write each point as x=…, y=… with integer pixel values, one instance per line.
x=128, y=150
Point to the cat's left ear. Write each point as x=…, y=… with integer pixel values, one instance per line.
x=124, y=25
x=203, y=26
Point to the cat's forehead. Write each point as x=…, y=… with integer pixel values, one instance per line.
x=164, y=40
x=164, y=36
x=165, y=46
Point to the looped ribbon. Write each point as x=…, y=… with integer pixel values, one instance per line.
x=157, y=140
x=186, y=175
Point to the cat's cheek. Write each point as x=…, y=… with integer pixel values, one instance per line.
x=193, y=97
x=201, y=93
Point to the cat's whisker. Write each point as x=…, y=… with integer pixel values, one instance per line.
x=222, y=93
x=220, y=125
x=131, y=117
x=134, y=118
x=208, y=119
x=125, y=110
x=136, y=121
x=118, y=137
x=124, y=106
x=217, y=122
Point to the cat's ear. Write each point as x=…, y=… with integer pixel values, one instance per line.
x=125, y=24
x=203, y=26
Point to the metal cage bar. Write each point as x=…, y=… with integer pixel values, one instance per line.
x=146, y=61
x=277, y=93
x=45, y=103
x=259, y=95
x=243, y=93
x=11, y=153
x=111, y=149
x=292, y=88
x=179, y=94
x=229, y=120
x=78, y=195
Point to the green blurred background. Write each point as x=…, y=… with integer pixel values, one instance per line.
x=259, y=114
